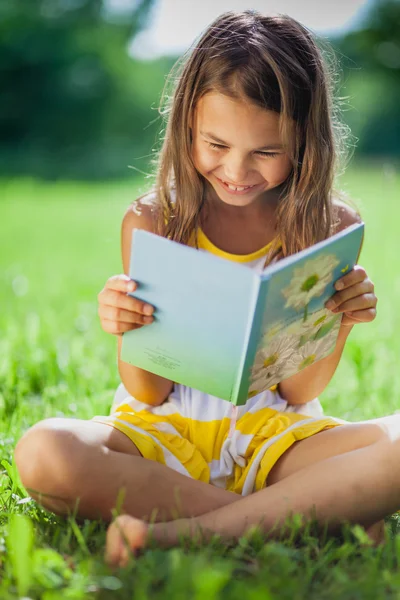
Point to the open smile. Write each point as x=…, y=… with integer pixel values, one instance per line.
x=236, y=189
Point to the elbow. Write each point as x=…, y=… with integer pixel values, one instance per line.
x=152, y=397
x=296, y=395
x=145, y=387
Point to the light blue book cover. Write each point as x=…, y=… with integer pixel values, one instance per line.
x=224, y=329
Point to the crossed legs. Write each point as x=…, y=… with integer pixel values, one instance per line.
x=349, y=473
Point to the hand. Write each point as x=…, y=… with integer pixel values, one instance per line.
x=356, y=298
x=119, y=312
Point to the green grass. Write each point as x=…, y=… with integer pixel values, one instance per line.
x=58, y=245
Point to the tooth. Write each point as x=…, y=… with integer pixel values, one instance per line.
x=239, y=188
x=236, y=188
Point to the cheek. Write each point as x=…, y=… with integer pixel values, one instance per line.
x=204, y=161
x=277, y=170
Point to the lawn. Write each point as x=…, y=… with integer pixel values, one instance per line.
x=59, y=242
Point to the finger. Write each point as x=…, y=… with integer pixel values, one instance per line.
x=117, y=299
x=121, y=283
x=356, y=275
x=113, y=313
x=358, y=289
x=361, y=316
x=110, y=326
x=363, y=302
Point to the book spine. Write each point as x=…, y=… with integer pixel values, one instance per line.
x=240, y=391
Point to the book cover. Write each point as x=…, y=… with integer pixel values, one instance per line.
x=201, y=314
x=227, y=330
x=292, y=329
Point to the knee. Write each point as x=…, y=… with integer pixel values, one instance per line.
x=389, y=429
x=42, y=454
x=389, y=442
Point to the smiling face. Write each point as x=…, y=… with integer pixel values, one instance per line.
x=237, y=148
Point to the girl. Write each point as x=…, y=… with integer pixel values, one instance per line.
x=245, y=172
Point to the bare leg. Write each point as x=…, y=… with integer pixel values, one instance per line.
x=61, y=461
x=361, y=486
x=376, y=533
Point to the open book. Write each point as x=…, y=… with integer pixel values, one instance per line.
x=224, y=329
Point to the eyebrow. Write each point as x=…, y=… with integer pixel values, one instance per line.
x=269, y=147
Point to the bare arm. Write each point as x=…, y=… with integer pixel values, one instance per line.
x=120, y=312
x=143, y=385
x=311, y=381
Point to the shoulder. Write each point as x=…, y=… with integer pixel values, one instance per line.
x=344, y=215
x=141, y=214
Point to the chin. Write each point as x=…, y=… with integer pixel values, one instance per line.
x=237, y=201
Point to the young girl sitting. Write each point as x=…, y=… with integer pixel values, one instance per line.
x=246, y=172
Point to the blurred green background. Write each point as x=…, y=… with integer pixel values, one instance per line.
x=75, y=105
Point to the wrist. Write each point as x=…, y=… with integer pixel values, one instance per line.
x=344, y=331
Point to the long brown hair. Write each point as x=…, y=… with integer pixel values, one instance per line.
x=274, y=62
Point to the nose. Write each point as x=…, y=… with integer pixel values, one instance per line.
x=236, y=169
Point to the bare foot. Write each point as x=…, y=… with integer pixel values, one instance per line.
x=376, y=533
x=124, y=536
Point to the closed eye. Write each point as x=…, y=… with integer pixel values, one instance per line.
x=220, y=147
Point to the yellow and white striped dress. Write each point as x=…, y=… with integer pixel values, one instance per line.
x=209, y=439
